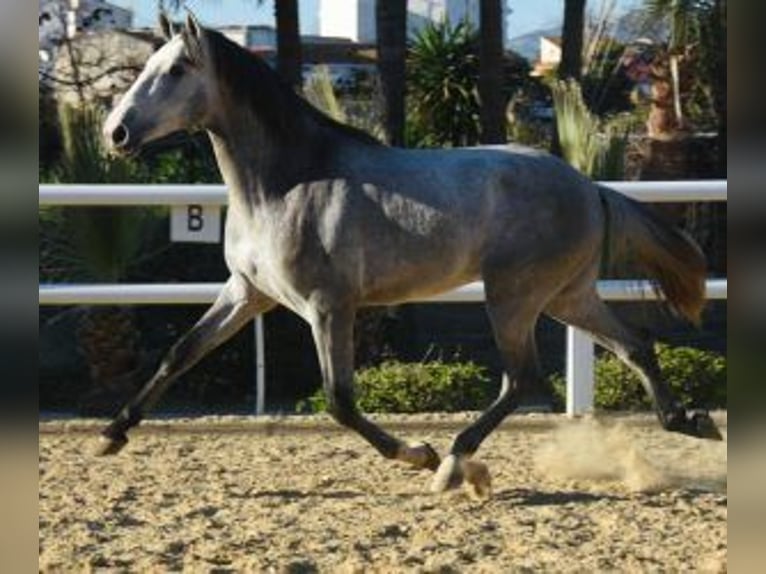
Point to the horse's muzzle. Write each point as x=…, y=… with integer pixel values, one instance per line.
x=119, y=140
x=120, y=137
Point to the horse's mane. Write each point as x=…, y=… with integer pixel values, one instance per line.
x=252, y=82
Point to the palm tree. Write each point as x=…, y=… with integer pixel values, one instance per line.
x=712, y=54
x=692, y=23
x=391, y=24
x=696, y=50
x=677, y=11
x=491, y=72
x=572, y=40
x=719, y=76
x=288, y=41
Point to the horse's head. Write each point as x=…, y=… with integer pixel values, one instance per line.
x=171, y=94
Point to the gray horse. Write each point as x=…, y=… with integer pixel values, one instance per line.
x=324, y=219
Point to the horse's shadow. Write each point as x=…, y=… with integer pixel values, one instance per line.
x=530, y=497
x=295, y=494
x=522, y=496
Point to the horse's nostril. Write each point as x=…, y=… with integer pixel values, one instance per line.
x=120, y=136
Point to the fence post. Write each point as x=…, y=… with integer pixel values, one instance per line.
x=260, y=366
x=579, y=372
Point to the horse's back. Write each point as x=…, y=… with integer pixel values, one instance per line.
x=499, y=191
x=433, y=219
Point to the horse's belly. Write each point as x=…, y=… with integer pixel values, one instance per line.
x=416, y=282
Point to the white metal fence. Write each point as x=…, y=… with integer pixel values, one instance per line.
x=579, y=372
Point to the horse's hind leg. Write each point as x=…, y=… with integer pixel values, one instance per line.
x=513, y=321
x=236, y=304
x=584, y=309
x=333, y=336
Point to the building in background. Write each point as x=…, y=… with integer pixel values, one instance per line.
x=355, y=19
x=259, y=36
x=59, y=20
x=101, y=65
x=352, y=19
x=341, y=37
x=550, y=56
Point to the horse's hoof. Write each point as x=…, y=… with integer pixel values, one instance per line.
x=703, y=426
x=477, y=478
x=449, y=475
x=695, y=423
x=111, y=444
x=420, y=455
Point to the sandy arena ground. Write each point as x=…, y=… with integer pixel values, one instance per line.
x=238, y=495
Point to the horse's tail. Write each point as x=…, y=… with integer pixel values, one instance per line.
x=667, y=254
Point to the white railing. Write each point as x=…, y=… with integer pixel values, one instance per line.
x=579, y=361
x=128, y=194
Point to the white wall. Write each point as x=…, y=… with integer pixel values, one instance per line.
x=550, y=52
x=355, y=19
x=339, y=18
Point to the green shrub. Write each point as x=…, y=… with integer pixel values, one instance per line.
x=397, y=387
x=697, y=379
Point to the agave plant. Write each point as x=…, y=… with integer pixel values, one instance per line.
x=319, y=90
x=443, y=72
x=98, y=244
x=594, y=146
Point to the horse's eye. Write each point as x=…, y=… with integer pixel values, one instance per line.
x=176, y=70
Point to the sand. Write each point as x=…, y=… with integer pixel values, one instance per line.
x=237, y=495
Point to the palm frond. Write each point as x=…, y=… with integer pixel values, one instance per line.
x=594, y=146
x=320, y=92
x=96, y=243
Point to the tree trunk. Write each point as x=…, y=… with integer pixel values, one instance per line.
x=288, y=42
x=570, y=67
x=675, y=75
x=719, y=79
x=572, y=40
x=391, y=22
x=491, y=73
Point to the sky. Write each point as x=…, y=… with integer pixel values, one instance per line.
x=526, y=16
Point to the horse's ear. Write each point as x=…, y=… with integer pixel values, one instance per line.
x=192, y=25
x=165, y=26
x=192, y=37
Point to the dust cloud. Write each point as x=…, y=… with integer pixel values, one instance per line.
x=592, y=450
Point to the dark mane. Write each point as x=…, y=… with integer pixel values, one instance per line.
x=251, y=81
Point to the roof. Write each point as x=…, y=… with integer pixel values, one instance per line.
x=553, y=40
x=330, y=52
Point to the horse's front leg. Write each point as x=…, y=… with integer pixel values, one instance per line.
x=514, y=334
x=237, y=303
x=333, y=332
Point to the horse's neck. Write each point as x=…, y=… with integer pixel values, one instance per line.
x=256, y=165
x=238, y=176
